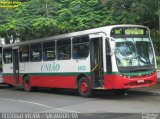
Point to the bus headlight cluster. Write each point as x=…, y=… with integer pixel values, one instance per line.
x=150, y=74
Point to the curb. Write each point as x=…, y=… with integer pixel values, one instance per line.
x=142, y=92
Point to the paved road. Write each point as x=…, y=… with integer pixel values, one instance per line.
x=48, y=100
x=55, y=100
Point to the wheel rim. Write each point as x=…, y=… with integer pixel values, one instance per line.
x=26, y=84
x=84, y=87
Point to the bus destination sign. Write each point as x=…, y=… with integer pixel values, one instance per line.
x=134, y=32
x=129, y=31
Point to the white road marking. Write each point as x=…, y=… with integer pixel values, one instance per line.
x=39, y=104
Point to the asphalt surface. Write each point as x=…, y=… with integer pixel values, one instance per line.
x=137, y=104
x=58, y=100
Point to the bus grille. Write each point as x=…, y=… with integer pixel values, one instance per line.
x=136, y=83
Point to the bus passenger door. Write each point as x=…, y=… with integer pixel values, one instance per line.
x=16, y=66
x=96, y=55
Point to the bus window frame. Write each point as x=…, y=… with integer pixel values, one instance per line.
x=11, y=55
x=83, y=43
x=41, y=53
x=21, y=54
x=53, y=41
x=68, y=39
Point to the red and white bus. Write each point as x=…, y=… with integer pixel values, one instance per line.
x=108, y=58
x=1, y=72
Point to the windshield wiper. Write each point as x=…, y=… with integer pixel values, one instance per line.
x=137, y=70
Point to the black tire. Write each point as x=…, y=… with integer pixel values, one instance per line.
x=84, y=87
x=10, y=86
x=27, y=85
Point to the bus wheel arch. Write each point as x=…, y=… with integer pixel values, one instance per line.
x=79, y=77
x=26, y=83
x=84, y=86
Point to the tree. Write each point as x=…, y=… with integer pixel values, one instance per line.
x=137, y=12
x=42, y=18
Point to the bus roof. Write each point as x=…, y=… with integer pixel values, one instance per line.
x=106, y=30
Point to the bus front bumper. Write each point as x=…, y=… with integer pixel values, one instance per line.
x=117, y=81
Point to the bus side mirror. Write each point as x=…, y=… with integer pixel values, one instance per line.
x=113, y=47
x=110, y=46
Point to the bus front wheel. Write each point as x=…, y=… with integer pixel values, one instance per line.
x=84, y=87
x=27, y=84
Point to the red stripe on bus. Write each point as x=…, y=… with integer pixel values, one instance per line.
x=47, y=81
x=112, y=81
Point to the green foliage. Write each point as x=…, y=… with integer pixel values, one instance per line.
x=158, y=66
x=156, y=41
x=158, y=60
x=41, y=18
x=44, y=25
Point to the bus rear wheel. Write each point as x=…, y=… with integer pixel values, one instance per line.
x=84, y=87
x=27, y=84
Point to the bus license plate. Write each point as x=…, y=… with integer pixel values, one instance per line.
x=140, y=81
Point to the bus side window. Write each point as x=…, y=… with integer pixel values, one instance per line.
x=49, y=51
x=64, y=49
x=80, y=47
x=7, y=55
x=24, y=53
x=36, y=52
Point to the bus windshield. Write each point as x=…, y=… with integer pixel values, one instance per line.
x=133, y=52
